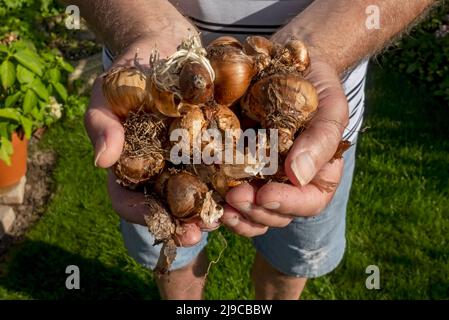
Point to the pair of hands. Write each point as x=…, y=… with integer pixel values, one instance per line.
x=251, y=208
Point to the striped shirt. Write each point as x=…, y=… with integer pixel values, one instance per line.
x=240, y=18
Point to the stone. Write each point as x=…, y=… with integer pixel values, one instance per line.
x=7, y=218
x=87, y=70
x=13, y=194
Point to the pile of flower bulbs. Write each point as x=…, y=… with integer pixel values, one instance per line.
x=228, y=86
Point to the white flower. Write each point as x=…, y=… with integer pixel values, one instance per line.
x=55, y=108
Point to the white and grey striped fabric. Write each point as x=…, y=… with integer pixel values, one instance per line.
x=241, y=18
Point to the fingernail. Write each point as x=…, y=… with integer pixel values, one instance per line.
x=271, y=205
x=303, y=168
x=243, y=206
x=100, y=147
x=231, y=222
x=211, y=226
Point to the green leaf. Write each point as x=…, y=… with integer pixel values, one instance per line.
x=8, y=145
x=42, y=104
x=60, y=89
x=7, y=74
x=9, y=113
x=48, y=56
x=29, y=101
x=30, y=60
x=38, y=113
x=27, y=126
x=38, y=87
x=3, y=48
x=65, y=65
x=24, y=75
x=50, y=89
x=4, y=129
x=55, y=74
x=6, y=150
x=11, y=100
x=23, y=45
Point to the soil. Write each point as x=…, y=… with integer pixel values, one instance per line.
x=38, y=190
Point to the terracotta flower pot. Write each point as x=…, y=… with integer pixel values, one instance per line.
x=10, y=175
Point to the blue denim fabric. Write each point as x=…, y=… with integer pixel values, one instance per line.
x=307, y=247
x=311, y=247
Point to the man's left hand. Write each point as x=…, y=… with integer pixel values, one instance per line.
x=252, y=208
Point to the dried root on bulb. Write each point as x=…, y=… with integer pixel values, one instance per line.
x=143, y=155
x=184, y=77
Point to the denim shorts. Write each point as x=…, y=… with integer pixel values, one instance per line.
x=307, y=247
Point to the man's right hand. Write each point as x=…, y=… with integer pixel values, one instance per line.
x=107, y=135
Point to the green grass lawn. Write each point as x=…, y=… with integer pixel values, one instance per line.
x=398, y=217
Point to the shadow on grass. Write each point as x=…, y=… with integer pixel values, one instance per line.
x=37, y=270
x=403, y=115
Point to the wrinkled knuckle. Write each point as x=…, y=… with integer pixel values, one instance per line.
x=331, y=136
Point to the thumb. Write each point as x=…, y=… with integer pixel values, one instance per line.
x=104, y=129
x=318, y=142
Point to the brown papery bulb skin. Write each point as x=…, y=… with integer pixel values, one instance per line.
x=226, y=41
x=160, y=184
x=296, y=54
x=221, y=117
x=193, y=122
x=195, y=84
x=255, y=45
x=224, y=120
x=164, y=102
x=185, y=195
x=262, y=50
x=134, y=171
x=125, y=88
x=158, y=220
x=234, y=71
x=281, y=101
